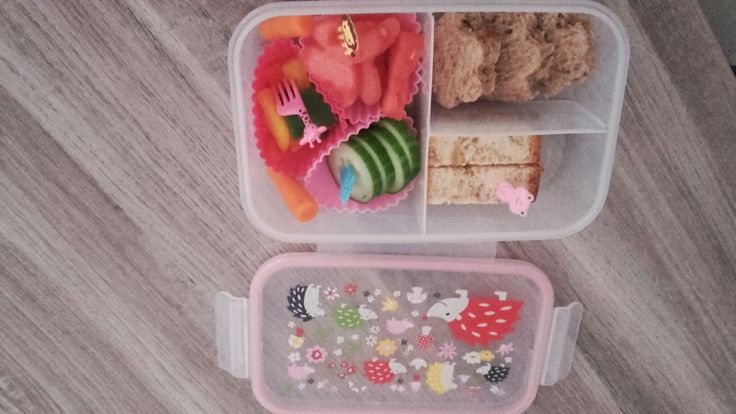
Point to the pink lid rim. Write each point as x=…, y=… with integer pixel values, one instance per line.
x=515, y=268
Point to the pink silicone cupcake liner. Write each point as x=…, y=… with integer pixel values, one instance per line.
x=360, y=111
x=325, y=191
x=268, y=73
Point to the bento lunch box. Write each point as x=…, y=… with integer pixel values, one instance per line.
x=579, y=129
x=405, y=309
x=368, y=334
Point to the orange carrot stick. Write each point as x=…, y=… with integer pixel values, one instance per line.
x=297, y=199
x=286, y=26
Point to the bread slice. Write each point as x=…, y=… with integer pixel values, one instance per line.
x=491, y=150
x=477, y=184
x=457, y=61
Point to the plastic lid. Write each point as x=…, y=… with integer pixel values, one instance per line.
x=396, y=333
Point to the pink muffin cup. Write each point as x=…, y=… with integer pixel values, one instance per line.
x=290, y=162
x=359, y=111
x=320, y=183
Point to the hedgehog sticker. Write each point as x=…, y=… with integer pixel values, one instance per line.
x=478, y=319
x=440, y=377
x=303, y=302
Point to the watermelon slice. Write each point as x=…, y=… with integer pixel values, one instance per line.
x=403, y=60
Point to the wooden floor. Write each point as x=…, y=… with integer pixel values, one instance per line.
x=120, y=217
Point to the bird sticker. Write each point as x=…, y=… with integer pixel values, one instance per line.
x=348, y=35
x=303, y=302
x=478, y=319
x=416, y=296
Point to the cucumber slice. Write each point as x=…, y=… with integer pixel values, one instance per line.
x=396, y=153
x=403, y=135
x=381, y=158
x=367, y=183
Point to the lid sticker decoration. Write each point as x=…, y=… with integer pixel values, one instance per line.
x=440, y=377
x=477, y=319
x=304, y=302
x=348, y=316
x=411, y=341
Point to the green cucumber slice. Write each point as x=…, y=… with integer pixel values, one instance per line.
x=381, y=158
x=396, y=153
x=367, y=176
x=403, y=135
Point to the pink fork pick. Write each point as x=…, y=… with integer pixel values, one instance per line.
x=290, y=103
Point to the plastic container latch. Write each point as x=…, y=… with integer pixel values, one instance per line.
x=561, y=345
x=231, y=321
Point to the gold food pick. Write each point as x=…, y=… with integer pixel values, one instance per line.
x=348, y=36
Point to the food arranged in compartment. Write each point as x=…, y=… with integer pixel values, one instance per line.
x=330, y=94
x=378, y=160
x=509, y=57
x=484, y=170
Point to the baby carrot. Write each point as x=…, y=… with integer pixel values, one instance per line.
x=286, y=26
x=297, y=199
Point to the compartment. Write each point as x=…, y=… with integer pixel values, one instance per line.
x=573, y=186
x=261, y=199
x=586, y=114
x=372, y=334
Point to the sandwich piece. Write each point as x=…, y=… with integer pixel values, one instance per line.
x=491, y=150
x=478, y=184
x=509, y=57
x=458, y=57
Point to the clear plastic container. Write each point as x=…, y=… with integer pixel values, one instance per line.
x=580, y=127
x=367, y=334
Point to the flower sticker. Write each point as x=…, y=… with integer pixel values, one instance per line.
x=371, y=340
x=397, y=293
x=508, y=360
x=294, y=357
x=377, y=292
x=505, y=349
x=415, y=314
x=316, y=354
x=487, y=355
x=370, y=299
x=472, y=358
x=291, y=324
x=337, y=352
x=448, y=351
x=340, y=339
x=386, y=347
x=331, y=293
x=375, y=329
x=350, y=289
